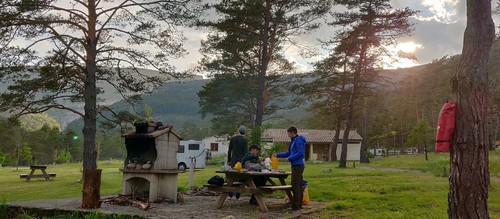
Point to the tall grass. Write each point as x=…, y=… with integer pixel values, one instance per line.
x=390, y=187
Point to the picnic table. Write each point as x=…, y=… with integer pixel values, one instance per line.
x=242, y=182
x=44, y=174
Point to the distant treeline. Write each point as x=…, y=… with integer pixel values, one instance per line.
x=21, y=146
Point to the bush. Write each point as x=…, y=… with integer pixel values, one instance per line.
x=2, y=159
x=215, y=161
x=63, y=157
x=4, y=210
x=441, y=167
x=276, y=147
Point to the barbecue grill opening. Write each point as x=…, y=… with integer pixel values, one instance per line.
x=150, y=168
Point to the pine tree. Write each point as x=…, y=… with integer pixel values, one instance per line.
x=90, y=42
x=246, y=49
x=364, y=29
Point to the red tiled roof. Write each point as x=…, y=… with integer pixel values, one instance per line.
x=311, y=135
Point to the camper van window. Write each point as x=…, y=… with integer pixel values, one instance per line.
x=194, y=147
x=181, y=149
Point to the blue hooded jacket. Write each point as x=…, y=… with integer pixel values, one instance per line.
x=296, y=151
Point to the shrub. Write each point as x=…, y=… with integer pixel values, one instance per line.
x=441, y=167
x=63, y=157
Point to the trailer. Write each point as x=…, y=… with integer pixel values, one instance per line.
x=191, y=150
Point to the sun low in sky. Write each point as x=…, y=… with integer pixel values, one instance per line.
x=403, y=55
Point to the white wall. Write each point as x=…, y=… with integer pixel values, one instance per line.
x=223, y=145
x=353, y=151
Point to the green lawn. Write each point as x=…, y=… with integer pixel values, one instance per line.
x=380, y=189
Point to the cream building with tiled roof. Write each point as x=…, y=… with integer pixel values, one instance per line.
x=318, y=142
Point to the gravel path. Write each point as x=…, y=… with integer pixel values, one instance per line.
x=193, y=207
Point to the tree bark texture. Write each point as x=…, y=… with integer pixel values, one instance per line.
x=334, y=145
x=469, y=174
x=91, y=188
x=364, y=134
x=265, y=57
x=90, y=194
x=349, y=121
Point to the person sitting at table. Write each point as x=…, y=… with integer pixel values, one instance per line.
x=252, y=158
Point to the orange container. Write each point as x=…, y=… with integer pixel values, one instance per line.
x=274, y=162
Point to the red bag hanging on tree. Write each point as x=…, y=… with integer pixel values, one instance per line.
x=446, y=126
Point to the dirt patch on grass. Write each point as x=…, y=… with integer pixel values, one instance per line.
x=392, y=170
x=193, y=207
x=495, y=179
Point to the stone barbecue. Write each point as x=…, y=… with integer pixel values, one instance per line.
x=150, y=169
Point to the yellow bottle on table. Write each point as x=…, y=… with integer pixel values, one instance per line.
x=238, y=167
x=274, y=163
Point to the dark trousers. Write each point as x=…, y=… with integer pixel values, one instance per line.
x=297, y=190
x=258, y=181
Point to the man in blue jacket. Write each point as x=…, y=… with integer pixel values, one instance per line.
x=295, y=154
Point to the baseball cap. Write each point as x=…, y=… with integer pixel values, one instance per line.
x=242, y=129
x=254, y=146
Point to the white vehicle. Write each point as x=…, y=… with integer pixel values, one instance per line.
x=379, y=152
x=191, y=149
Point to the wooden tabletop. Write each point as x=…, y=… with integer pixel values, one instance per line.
x=38, y=167
x=282, y=174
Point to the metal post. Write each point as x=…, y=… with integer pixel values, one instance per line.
x=191, y=172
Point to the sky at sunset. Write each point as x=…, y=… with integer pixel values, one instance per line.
x=439, y=28
x=438, y=32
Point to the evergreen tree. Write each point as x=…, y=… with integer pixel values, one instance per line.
x=90, y=41
x=366, y=27
x=421, y=136
x=245, y=50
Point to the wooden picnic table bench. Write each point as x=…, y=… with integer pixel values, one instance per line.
x=31, y=175
x=234, y=184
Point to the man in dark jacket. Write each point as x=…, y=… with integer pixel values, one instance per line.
x=238, y=147
x=295, y=154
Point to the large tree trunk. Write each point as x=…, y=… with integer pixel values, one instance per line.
x=90, y=193
x=91, y=188
x=493, y=118
x=333, y=148
x=364, y=133
x=350, y=106
x=261, y=99
x=469, y=174
x=349, y=121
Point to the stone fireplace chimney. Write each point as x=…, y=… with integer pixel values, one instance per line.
x=150, y=168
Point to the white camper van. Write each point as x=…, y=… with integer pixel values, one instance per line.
x=191, y=149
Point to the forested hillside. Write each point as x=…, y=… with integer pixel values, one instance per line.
x=408, y=97
x=396, y=110
x=176, y=103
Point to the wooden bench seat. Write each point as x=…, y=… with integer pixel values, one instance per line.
x=27, y=176
x=275, y=188
x=235, y=184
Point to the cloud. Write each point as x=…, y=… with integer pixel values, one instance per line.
x=439, y=27
x=444, y=11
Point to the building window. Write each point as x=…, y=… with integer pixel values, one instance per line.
x=214, y=146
